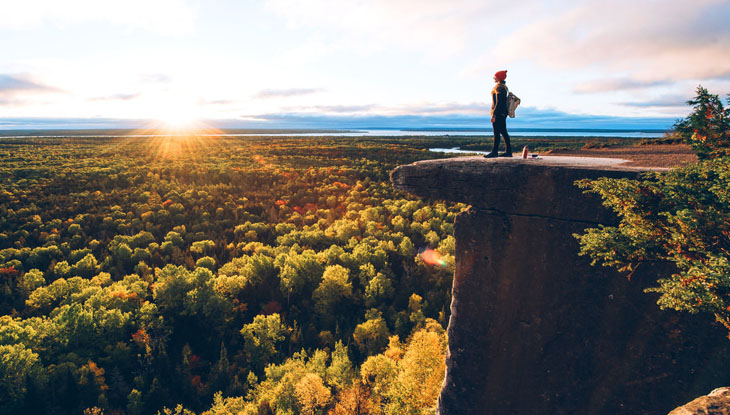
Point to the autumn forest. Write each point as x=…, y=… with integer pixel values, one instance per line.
x=208, y=274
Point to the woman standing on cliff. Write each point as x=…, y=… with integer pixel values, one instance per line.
x=500, y=109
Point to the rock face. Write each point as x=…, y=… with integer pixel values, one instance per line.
x=716, y=402
x=534, y=329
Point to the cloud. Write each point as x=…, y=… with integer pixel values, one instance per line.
x=481, y=109
x=431, y=26
x=666, y=101
x=215, y=101
x=285, y=93
x=37, y=123
x=529, y=118
x=616, y=84
x=117, y=97
x=333, y=109
x=17, y=83
x=156, y=78
x=648, y=40
x=171, y=17
x=14, y=85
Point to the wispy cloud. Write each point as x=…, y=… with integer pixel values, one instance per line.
x=666, y=101
x=650, y=40
x=480, y=109
x=14, y=84
x=170, y=17
x=332, y=109
x=432, y=26
x=617, y=84
x=215, y=101
x=117, y=97
x=286, y=93
x=157, y=78
x=26, y=123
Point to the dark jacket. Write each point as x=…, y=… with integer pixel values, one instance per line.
x=499, y=100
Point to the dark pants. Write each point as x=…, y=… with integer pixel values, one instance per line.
x=500, y=129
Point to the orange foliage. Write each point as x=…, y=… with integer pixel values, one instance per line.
x=9, y=271
x=239, y=306
x=141, y=337
x=125, y=295
x=98, y=373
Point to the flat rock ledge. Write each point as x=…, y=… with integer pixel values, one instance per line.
x=517, y=186
x=534, y=328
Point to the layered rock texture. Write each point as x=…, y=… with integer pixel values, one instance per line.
x=534, y=328
x=716, y=402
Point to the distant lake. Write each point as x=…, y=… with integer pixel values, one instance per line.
x=517, y=132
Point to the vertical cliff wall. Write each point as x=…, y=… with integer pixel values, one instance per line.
x=534, y=329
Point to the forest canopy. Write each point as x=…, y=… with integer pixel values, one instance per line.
x=211, y=274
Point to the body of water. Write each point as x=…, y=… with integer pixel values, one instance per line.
x=370, y=133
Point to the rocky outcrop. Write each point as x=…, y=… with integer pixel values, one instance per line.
x=716, y=402
x=534, y=329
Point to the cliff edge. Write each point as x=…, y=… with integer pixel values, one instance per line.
x=534, y=329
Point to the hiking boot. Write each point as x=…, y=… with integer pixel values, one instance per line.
x=505, y=154
x=490, y=155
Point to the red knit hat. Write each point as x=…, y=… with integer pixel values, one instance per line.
x=500, y=75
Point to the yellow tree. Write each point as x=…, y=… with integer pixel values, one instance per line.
x=420, y=374
x=312, y=395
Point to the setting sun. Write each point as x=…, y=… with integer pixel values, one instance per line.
x=178, y=116
x=178, y=122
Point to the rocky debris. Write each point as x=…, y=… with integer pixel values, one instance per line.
x=716, y=402
x=534, y=329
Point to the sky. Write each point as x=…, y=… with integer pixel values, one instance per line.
x=356, y=63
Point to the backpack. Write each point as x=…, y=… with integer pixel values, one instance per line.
x=512, y=103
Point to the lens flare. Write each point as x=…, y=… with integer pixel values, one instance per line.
x=432, y=257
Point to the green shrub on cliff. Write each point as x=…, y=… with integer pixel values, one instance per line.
x=681, y=216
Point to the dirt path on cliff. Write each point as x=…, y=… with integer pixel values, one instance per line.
x=651, y=155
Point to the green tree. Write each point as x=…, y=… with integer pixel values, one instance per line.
x=17, y=364
x=707, y=128
x=371, y=337
x=335, y=287
x=679, y=216
x=31, y=280
x=339, y=372
x=202, y=247
x=206, y=262
x=261, y=337
x=86, y=266
x=299, y=273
